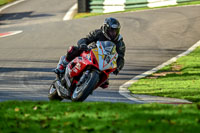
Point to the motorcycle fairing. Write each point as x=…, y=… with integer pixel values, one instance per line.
x=102, y=58
x=78, y=65
x=106, y=60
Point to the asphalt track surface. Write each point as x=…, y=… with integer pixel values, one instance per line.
x=26, y=60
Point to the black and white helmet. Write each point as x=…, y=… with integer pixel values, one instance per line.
x=111, y=28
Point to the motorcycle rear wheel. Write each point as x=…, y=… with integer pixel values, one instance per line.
x=53, y=94
x=82, y=92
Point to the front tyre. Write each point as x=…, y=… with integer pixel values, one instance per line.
x=53, y=94
x=85, y=89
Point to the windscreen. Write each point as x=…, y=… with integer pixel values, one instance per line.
x=109, y=47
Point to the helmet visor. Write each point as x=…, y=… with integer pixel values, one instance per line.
x=113, y=32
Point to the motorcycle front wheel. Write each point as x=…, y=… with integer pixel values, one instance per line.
x=85, y=89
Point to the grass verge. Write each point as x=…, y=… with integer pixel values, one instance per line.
x=181, y=79
x=97, y=117
x=84, y=15
x=3, y=2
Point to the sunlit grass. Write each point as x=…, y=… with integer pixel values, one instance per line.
x=180, y=80
x=98, y=117
x=2, y=2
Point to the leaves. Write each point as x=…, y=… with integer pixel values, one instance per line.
x=35, y=108
x=17, y=109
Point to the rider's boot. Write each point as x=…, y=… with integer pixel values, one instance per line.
x=105, y=84
x=60, y=69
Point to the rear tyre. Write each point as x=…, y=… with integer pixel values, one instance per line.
x=82, y=92
x=53, y=94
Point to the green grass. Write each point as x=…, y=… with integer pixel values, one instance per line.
x=180, y=80
x=84, y=15
x=3, y=2
x=94, y=117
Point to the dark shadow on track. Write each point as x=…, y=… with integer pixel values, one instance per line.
x=22, y=15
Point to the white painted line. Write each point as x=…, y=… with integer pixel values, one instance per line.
x=70, y=13
x=123, y=89
x=11, y=4
x=10, y=33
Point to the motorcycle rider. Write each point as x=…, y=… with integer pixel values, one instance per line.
x=108, y=32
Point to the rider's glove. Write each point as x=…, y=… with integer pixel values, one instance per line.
x=116, y=71
x=83, y=47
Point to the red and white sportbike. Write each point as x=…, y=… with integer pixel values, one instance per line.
x=85, y=73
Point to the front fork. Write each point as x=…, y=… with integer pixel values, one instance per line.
x=61, y=87
x=83, y=78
